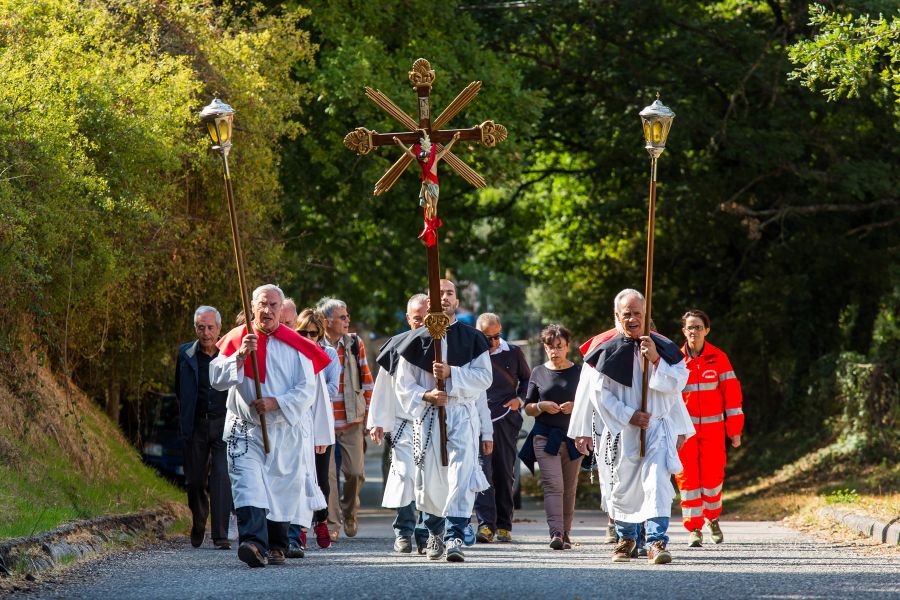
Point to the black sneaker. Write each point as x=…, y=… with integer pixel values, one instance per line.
x=294, y=551
x=403, y=544
x=556, y=542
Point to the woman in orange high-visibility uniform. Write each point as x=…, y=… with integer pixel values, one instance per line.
x=713, y=399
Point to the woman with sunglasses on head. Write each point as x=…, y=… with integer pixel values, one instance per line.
x=311, y=325
x=550, y=399
x=714, y=401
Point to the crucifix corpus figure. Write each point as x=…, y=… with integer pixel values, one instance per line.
x=427, y=156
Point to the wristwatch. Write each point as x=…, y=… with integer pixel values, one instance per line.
x=538, y=406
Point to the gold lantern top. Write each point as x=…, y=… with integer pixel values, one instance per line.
x=657, y=120
x=219, y=118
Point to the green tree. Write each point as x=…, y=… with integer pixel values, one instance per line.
x=112, y=220
x=847, y=53
x=777, y=210
x=343, y=241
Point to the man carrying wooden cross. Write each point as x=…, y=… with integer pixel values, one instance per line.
x=446, y=494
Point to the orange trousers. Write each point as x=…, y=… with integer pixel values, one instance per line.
x=700, y=483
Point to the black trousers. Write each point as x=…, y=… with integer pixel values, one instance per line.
x=494, y=506
x=322, y=460
x=206, y=477
x=253, y=526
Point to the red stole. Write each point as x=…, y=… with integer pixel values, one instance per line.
x=595, y=341
x=231, y=343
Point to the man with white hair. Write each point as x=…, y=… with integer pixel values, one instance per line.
x=202, y=418
x=271, y=490
x=636, y=490
x=388, y=420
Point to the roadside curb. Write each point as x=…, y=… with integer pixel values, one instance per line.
x=886, y=533
x=69, y=543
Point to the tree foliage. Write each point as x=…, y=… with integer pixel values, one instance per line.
x=340, y=239
x=848, y=52
x=112, y=221
x=777, y=212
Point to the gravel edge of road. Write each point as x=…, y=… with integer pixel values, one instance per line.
x=75, y=541
x=886, y=533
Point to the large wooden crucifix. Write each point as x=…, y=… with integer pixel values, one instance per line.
x=427, y=140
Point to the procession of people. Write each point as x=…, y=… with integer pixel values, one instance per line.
x=273, y=416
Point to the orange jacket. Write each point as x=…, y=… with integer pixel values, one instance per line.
x=713, y=393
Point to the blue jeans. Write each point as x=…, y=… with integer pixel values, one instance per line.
x=450, y=527
x=294, y=534
x=656, y=530
x=408, y=523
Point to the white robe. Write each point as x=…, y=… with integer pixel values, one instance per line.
x=634, y=490
x=449, y=491
x=280, y=481
x=385, y=412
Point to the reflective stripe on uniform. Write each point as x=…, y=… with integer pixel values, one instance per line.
x=690, y=494
x=727, y=375
x=730, y=412
x=712, y=491
x=687, y=512
x=702, y=420
x=700, y=387
x=712, y=505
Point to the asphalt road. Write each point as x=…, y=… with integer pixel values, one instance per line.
x=758, y=559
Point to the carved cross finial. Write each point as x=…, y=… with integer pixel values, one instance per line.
x=422, y=73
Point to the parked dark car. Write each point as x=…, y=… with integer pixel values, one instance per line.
x=160, y=432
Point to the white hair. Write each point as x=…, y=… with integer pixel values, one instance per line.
x=626, y=293
x=328, y=305
x=202, y=310
x=289, y=301
x=269, y=287
x=487, y=319
x=415, y=300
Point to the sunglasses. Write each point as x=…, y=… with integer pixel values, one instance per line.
x=493, y=338
x=310, y=334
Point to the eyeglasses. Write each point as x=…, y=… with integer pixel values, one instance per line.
x=310, y=334
x=492, y=338
x=695, y=327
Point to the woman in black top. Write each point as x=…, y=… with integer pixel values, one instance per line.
x=550, y=397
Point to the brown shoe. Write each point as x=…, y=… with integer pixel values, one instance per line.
x=250, y=554
x=658, y=555
x=276, y=557
x=351, y=526
x=623, y=550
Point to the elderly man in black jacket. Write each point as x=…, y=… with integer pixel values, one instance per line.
x=202, y=416
x=494, y=506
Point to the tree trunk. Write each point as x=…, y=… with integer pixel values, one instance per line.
x=113, y=396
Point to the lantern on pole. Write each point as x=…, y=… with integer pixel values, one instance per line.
x=657, y=121
x=219, y=120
